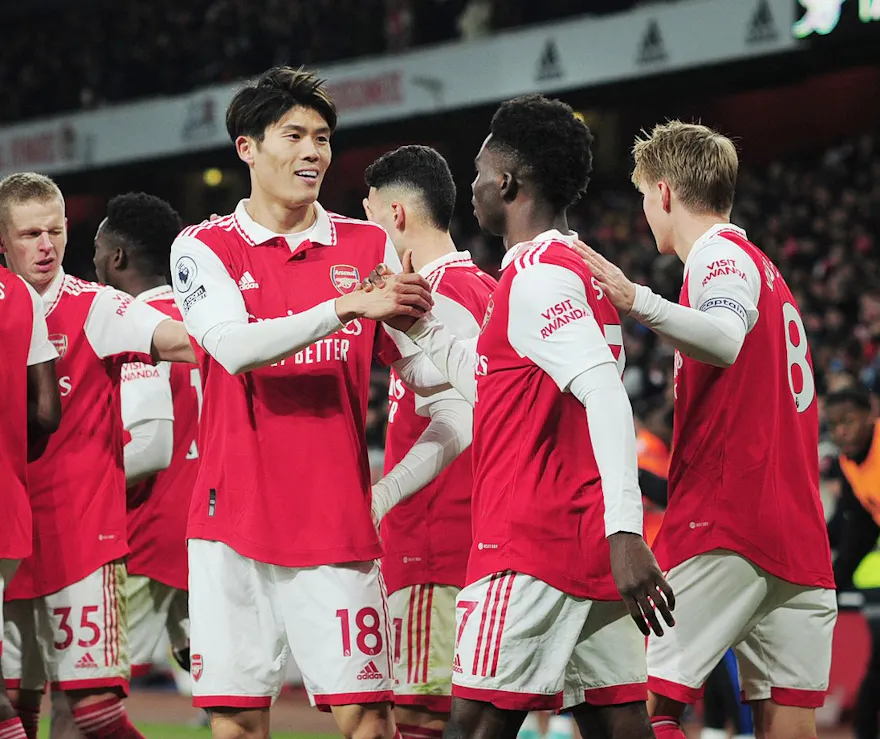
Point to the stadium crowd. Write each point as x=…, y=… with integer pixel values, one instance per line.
x=110, y=51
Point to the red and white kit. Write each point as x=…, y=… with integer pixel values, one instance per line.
x=25, y=341
x=427, y=537
x=745, y=525
x=158, y=507
x=64, y=620
x=540, y=622
x=283, y=491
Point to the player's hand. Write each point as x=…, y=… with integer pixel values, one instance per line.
x=213, y=217
x=640, y=582
x=398, y=299
x=617, y=286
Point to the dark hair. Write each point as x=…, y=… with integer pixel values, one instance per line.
x=419, y=168
x=549, y=142
x=857, y=395
x=145, y=226
x=265, y=100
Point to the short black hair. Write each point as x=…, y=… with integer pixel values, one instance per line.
x=552, y=145
x=265, y=101
x=857, y=395
x=145, y=226
x=423, y=169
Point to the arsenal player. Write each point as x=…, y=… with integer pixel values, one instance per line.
x=282, y=545
x=557, y=508
x=64, y=622
x=427, y=536
x=160, y=412
x=745, y=524
x=32, y=408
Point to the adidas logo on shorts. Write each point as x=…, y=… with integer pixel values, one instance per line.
x=370, y=672
x=456, y=665
x=86, y=662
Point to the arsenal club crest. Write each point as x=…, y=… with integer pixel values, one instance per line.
x=489, y=308
x=59, y=341
x=196, y=666
x=345, y=278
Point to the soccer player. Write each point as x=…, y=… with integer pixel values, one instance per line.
x=427, y=537
x=744, y=525
x=32, y=408
x=282, y=545
x=160, y=412
x=557, y=508
x=64, y=623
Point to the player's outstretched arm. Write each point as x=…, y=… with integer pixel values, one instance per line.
x=578, y=358
x=215, y=315
x=171, y=343
x=724, y=300
x=448, y=434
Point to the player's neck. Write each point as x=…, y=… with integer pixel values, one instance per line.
x=428, y=245
x=137, y=284
x=278, y=217
x=690, y=228
x=526, y=223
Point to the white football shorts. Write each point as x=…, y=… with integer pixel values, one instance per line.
x=780, y=632
x=524, y=645
x=74, y=639
x=247, y=618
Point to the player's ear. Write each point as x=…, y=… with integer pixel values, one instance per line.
x=120, y=259
x=244, y=147
x=665, y=195
x=398, y=212
x=509, y=187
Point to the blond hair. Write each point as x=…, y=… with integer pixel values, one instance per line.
x=25, y=187
x=699, y=164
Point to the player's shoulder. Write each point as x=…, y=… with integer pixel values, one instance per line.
x=76, y=286
x=456, y=273
x=345, y=228
x=555, y=252
x=212, y=233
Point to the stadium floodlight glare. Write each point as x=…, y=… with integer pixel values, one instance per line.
x=212, y=177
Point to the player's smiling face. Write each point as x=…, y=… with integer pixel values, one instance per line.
x=487, y=185
x=33, y=238
x=290, y=162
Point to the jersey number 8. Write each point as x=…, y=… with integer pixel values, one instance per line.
x=796, y=351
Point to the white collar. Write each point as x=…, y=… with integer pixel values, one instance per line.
x=50, y=296
x=551, y=235
x=710, y=235
x=320, y=232
x=452, y=258
x=154, y=292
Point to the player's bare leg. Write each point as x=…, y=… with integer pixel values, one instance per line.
x=665, y=716
x=773, y=721
x=623, y=721
x=27, y=704
x=368, y=721
x=477, y=720
x=63, y=725
x=237, y=723
x=415, y=722
x=99, y=714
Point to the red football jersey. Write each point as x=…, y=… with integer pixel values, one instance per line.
x=24, y=341
x=538, y=505
x=77, y=486
x=157, y=522
x=744, y=473
x=427, y=536
x=284, y=473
